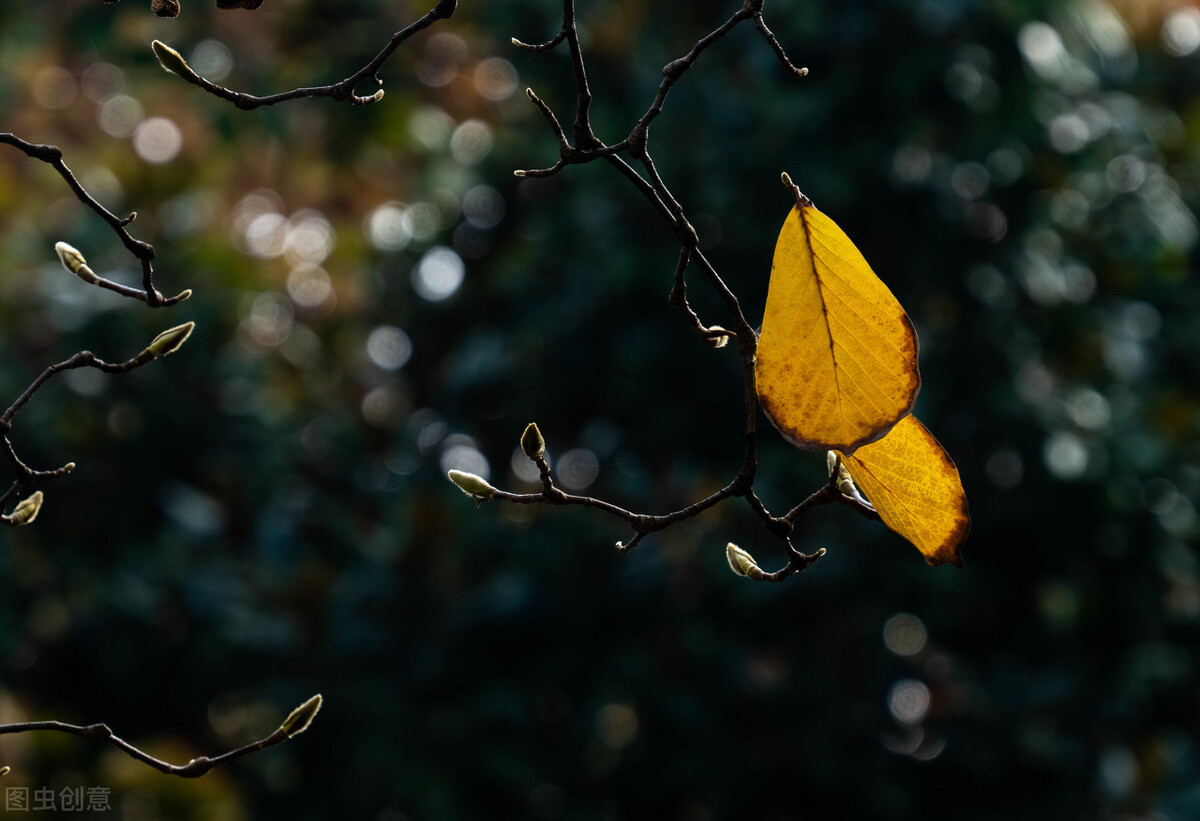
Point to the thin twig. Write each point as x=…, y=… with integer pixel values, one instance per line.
x=588, y=147
x=296, y=723
x=162, y=345
x=341, y=91
x=52, y=155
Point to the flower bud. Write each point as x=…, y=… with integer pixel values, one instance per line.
x=70, y=257
x=741, y=562
x=171, y=60
x=532, y=442
x=27, y=509
x=845, y=482
x=716, y=341
x=301, y=717
x=171, y=340
x=474, y=486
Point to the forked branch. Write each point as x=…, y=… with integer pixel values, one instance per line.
x=341, y=91
x=587, y=147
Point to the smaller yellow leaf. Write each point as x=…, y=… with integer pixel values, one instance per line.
x=915, y=487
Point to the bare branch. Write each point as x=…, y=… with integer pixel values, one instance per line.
x=144, y=252
x=342, y=91
x=296, y=723
x=586, y=148
x=165, y=343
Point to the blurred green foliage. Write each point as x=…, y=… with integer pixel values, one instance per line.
x=264, y=515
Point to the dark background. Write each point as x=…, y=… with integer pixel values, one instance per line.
x=264, y=515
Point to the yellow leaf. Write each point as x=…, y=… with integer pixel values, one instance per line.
x=914, y=486
x=837, y=357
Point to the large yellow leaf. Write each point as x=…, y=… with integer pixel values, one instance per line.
x=915, y=488
x=837, y=357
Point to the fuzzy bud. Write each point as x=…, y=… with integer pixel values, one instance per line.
x=845, y=482
x=717, y=341
x=299, y=719
x=742, y=563
x=842, y=478
x=532, y=442
x=27, y=509
x=171, y=60
x=474, y=486
x=70, y=257
x=171, y=340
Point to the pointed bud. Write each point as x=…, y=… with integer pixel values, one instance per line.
x=171, y=60
x=377, y=96
x=716, y=341
x=70, y=257
x=301, y=717
x=27, y=510
x=171, y=340
x=474, y=486
x=532, y=442
x=741, y=562
x=845, y=482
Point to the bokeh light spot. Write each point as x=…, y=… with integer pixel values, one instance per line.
x=495, y=79
x=439, y=274
x=471, y=142
x=904, y=634
x=120, y=115
x=909, y=701
x=53, y=87
x=389, y=347
x=157, y=140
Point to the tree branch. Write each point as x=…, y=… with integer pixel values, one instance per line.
x=588, y=147
x=297, y=722
x=165, y=343
x=341, y=91
x=144, y=252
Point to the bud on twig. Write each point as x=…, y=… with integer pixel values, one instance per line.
x=844, y=481
x=719, y=341
x=474, y=486
x=70, y=257
x=171, y=340
x=299, y=719
x=27, y=509
x=171, y=60
x=532, y=442
x=742, y=563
